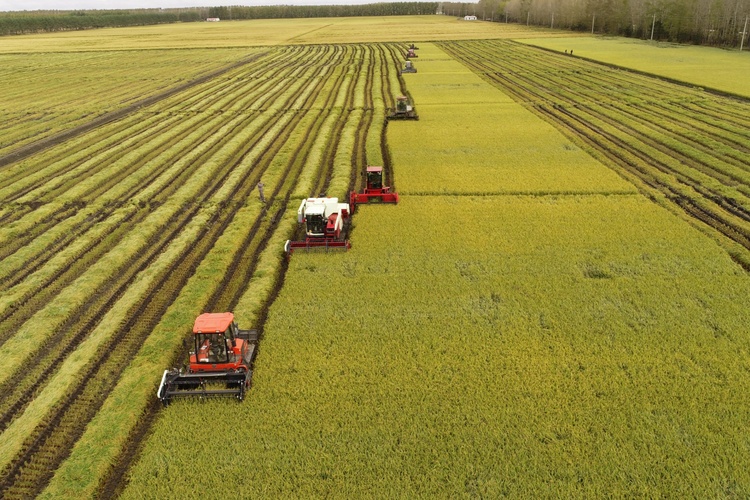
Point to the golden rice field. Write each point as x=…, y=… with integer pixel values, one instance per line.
x=556, y=307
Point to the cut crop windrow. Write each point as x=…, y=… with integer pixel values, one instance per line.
x=39, y=145
x=248, y=187
x=70, y=236
x=54, y=346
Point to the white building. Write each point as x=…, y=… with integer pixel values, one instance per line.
x=213, y=19
x=470, y=18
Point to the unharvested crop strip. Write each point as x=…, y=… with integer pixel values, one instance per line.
x=388, y=101
x=359, y=152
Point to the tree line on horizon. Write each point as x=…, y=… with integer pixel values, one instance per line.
x=17, y=23
x=706, y=22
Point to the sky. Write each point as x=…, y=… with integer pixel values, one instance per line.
x=6, y=5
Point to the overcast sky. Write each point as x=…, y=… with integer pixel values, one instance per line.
x=147, y=4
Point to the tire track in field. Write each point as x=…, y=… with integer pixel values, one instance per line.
x=570, y=88
x=66, y=426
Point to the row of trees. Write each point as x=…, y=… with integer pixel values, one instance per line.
x=14, y=23
x=297, y=11
x=19, y=23
x=713, y=22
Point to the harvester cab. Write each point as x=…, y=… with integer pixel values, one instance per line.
x=324, y=221
x=220, y=364
x=408, y=68
x=403, y=111
x=374, y=190
x=410, y=54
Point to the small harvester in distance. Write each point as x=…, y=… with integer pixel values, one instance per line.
x=220, y=365
x=408, y=68
x=374, y=190
x=403, y=111
x=410, y=54
x=325, y=221
x=413, y=47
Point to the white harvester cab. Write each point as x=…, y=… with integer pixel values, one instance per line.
x=323, y=217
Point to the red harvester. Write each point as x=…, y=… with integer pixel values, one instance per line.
x=374, y=190
x=221, y=364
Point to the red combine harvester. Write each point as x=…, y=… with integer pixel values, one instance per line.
x=221, y=364
x=374, y=190
x=324, y=220
x=410, y=54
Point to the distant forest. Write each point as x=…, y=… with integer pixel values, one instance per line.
x=17, y=23
x=710, y=22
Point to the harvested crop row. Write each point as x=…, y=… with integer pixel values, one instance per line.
x=23, y=477
x=50, y=85
x=129, y=268
x=708, y=183
x=140, y=191
x=244, y=260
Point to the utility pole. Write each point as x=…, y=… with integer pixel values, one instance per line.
x=528, y=14
x=744, y=32
x=552, y=24
x=593, y=18
x=653, y=23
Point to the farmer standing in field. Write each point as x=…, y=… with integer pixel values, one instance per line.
x=260, y=192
